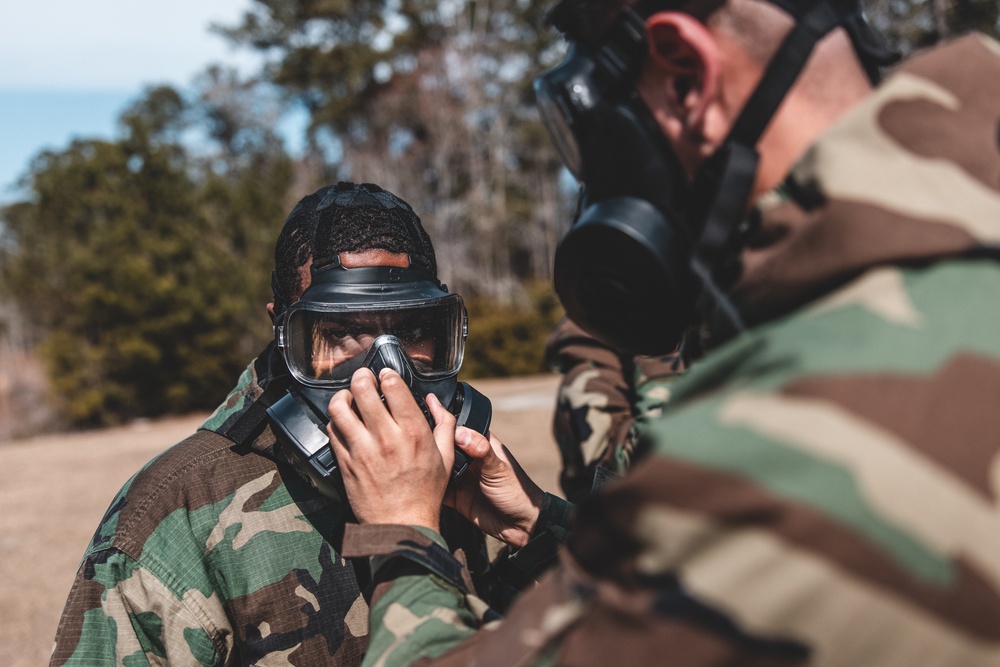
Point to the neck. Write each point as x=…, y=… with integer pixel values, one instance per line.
x=827, y=90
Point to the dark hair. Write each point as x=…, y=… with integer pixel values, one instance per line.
x=342, y=218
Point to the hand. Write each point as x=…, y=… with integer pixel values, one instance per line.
x=395, y=469
x=494, y=493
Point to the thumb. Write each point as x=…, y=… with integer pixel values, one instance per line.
x=474, y=444
x=492, y=467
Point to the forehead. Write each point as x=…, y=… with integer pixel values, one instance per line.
x=354, y=259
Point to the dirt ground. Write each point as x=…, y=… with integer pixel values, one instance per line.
x=54, y=490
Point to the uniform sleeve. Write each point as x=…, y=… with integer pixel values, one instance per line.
x=423, y=602
x=422, y=611
x=593, y=414
x=597, y=607
x=617, y=596
x=119, y=612
x=734, y=550
x=592, y=405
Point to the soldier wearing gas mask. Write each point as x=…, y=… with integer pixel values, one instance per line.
x=220, y=552
x=388, y=313
x=820, y=488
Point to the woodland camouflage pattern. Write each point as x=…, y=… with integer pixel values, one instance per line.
x=824, y=489
x=217, y=554
x=593, y=414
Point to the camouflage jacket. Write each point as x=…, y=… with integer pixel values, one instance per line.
x=595, y=404
x=218, y=553
x=822, y=489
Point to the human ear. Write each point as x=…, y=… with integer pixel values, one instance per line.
x=684, y=55
x=270, y=312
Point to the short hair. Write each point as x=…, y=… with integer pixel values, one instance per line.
x=340, y=218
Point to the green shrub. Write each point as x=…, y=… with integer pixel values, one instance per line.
x=507, y=340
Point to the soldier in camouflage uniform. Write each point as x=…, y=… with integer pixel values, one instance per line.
x=594, y=405
x=217, y=552
x=822, y=487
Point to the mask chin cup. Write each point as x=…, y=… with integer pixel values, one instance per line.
x=622, y=273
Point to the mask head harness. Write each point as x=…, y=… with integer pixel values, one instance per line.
x=649, y=248
x=375, y=317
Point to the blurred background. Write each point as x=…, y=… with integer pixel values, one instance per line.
x=149, y=153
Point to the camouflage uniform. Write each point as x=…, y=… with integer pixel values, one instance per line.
x=594, y=404
x=218, y=553
x=825, y=488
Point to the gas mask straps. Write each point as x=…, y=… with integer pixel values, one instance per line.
x=652, y=252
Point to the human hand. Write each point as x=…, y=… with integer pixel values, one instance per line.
x=494, y=493
x=395, y=469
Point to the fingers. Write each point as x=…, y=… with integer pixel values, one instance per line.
x=365, y=389
x=343, y=418
x=444, y=429
x=399, y=399
x=442, y=417
x=344, y=424
x=354, y=416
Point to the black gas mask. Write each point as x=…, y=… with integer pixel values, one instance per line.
x=368, y=317
x=651, y=250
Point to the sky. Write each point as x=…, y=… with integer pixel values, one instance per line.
x=68, y=68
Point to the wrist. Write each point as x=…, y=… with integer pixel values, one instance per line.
x=555, y=515
x=416, y=519
x=530, y=521
x=520, y=530
x=419, y=521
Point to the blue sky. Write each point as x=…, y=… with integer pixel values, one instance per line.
x=69, y=67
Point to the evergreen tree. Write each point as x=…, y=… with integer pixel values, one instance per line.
x=433, y=101
x=912, y=24
x=138, y=283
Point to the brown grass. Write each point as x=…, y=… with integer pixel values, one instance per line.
x=24, y=408
x=54, y=490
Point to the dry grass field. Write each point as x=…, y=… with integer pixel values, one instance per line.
x=54, y=490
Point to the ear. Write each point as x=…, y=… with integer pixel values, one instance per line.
x=270, y=312
x=686, y=59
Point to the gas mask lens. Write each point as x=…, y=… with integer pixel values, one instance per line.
x=325, y=343
x=555, y=119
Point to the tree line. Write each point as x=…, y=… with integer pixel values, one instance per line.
x=137, y=268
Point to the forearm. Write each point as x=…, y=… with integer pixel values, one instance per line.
x=423, y=603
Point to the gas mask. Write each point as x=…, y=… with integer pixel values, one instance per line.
x=651, y=250
x=368, y=317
